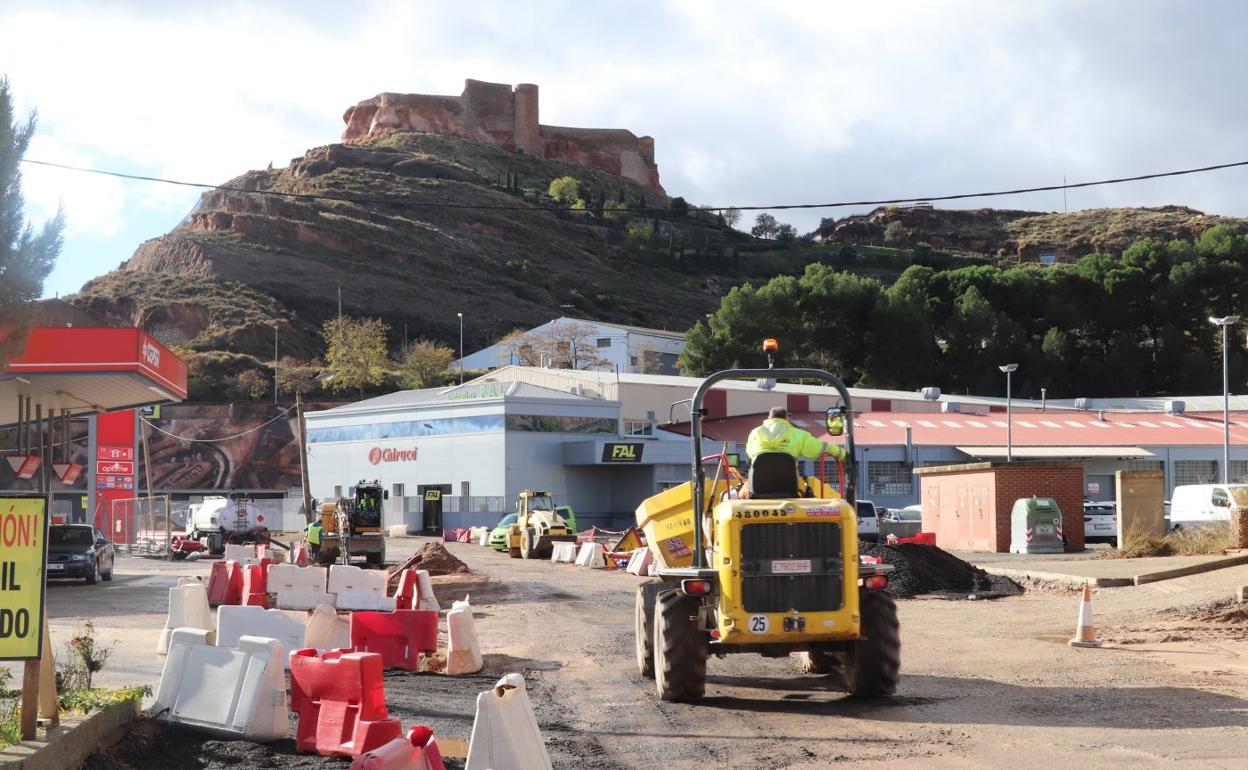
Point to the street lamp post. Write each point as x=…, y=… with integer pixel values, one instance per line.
x=461, y=348
x=1009, y=370
x=274, y=364
x=1226, y=398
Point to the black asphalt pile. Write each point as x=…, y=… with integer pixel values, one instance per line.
x=926, y=569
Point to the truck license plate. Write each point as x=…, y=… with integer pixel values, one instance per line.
x=790, y=566
x=56, y=567
x=1044, y=529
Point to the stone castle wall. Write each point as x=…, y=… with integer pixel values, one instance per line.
x=495, y=113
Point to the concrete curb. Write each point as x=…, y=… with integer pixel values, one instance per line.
x=1192, y=569
x=1062, y=579
x=70, y=743
x=1067, y=580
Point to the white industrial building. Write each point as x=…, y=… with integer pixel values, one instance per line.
x=601, y=441
x=614, y=347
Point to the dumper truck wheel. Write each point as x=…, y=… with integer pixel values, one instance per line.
x=817, y=662
x=680, y=648
x=643, y=626
x=528, y=544
x=513, y=552
x=873, y=664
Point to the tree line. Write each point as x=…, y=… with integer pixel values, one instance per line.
x=1134, y=323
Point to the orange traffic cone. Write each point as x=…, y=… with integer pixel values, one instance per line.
x=1085, y=632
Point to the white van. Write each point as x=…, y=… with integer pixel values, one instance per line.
x=1201, y=503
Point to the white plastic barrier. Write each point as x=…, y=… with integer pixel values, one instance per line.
x=232, y=692
x=326, y=630
x=563, y=552
x=359, y=589
x=298, y=588
x=640, y=563
x=464, y=649
x=188, y=608
x=484, y=539
x=397, y=530
x=286, y=626
x=425, y=585
x=505, y=734
x=591, y=556
x=243, y=554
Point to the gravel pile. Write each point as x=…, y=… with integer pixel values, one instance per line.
x=438, y=561
x=926, y=569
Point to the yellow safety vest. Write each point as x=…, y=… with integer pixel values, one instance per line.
x=314, y=533
x=777, y=434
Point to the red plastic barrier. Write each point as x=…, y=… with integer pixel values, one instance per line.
x=463, y=536
x=299, y=557
x=341, y=703
x=408, y=595
x=922, y=538
x=416, y=751
x=255, y=585
x=399, y=636
x=225, y=584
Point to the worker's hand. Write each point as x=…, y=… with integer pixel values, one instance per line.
x=835, y=451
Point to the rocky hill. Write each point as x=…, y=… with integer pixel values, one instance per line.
x=1020, y=235
x=416, y=227
x=427, y=226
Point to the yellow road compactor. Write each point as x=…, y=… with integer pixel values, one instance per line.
x=772, y=570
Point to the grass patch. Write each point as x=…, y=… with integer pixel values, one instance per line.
x=1206, y=540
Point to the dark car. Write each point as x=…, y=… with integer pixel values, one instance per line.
x=79, y=551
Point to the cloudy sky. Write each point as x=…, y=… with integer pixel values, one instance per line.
x=749, y=103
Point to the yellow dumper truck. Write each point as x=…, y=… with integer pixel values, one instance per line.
x=771, y=569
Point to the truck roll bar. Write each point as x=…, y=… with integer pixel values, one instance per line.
x=697, y=415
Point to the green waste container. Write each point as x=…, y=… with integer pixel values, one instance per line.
x=1036, y=526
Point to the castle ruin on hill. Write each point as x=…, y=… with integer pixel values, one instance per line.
x=495, y=113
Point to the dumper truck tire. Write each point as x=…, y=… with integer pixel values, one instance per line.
x=873, y=664
x=643, y=626
x=680, y=648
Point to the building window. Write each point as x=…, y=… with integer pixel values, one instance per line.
x=396, y=491
x=604, y=342
x=408, y=428
x=1239, y=471
x=463, y=489
x=1146, y=465
x=893, y=478
x=638, y=427
x=1195, y=472
x=534, y=423
x=337, y=490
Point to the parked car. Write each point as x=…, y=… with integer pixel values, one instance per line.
x=1100, y=522
x=902, y=522
x=498, y=535
x=79, y=551
x=1196, y=504
x=868, y=521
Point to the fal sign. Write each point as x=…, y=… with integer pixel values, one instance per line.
x=378, y=455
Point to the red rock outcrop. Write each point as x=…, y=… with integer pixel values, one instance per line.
x=495, y=113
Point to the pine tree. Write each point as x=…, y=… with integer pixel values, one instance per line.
x=26, y=258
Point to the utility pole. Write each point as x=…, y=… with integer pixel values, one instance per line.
x=303, y=458
x=274, y=364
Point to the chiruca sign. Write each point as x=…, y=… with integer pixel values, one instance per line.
x=377, y=455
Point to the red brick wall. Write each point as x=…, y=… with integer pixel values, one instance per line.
x=969, y=506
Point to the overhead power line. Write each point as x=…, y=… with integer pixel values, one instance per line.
x=516, y=207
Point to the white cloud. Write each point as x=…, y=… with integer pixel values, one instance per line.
x=748, y=102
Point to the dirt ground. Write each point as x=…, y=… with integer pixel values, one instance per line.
x=984, y=683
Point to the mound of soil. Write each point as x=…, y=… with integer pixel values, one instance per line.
x=438, y=561
x=926, y=569
x=1237, y=614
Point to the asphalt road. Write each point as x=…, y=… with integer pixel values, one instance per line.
x=984, y=684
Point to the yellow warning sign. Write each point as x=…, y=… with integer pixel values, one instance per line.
x=23, y=552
